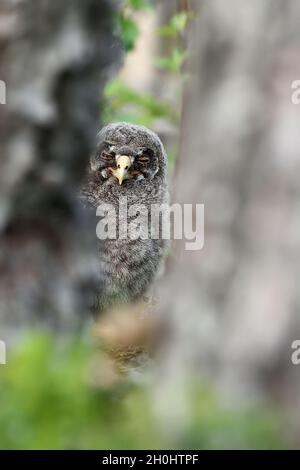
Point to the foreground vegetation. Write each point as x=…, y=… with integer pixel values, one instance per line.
x=54, y=395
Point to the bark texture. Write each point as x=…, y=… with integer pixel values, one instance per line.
x=233, y=307
x=55, y=59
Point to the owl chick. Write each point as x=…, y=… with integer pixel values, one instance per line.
x=130, y=161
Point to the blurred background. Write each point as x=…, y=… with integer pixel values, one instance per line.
x=214, y=80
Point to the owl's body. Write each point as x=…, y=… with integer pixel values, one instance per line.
x=129, y=266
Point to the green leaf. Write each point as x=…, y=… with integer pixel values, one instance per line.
x=139, y=4
x=176, y=25
x=173, y=62
x=179, y=21
x=128, y=31
x=167, y=30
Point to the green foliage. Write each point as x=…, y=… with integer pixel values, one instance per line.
x=128, y=31
x=126, y=26
x=173, y=62
x=48, y=402
x=177, y=24
x=175, y=29
x=139, y=4
x=125, y=104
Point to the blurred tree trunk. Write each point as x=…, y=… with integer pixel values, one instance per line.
x=233, y=307
x=55, y=59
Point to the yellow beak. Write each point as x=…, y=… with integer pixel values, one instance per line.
x=123, y=165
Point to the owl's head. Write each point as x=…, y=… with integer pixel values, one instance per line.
x=128, y=153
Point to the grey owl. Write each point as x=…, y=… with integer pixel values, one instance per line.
x=129, y=160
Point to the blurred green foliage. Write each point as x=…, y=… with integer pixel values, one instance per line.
x=128, y=32
x=125, y=104
x=178, y=54
x=126, y=26
x=173, y=62
x=139, y=4
x=48, y=402
x=176, y=25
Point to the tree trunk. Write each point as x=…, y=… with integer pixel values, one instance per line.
x=55, y=59
x=233, y=307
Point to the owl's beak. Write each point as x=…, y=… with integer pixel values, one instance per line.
x=123, y=165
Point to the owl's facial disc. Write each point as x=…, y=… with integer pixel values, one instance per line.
x=122, y=171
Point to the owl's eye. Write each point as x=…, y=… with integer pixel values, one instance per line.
x=143, y=159
x=145, y=155
x=107, y=156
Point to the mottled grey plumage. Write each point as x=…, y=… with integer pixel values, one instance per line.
x=129, y=266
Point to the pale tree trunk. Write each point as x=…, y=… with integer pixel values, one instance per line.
x=55, y=59
x=234, y=307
